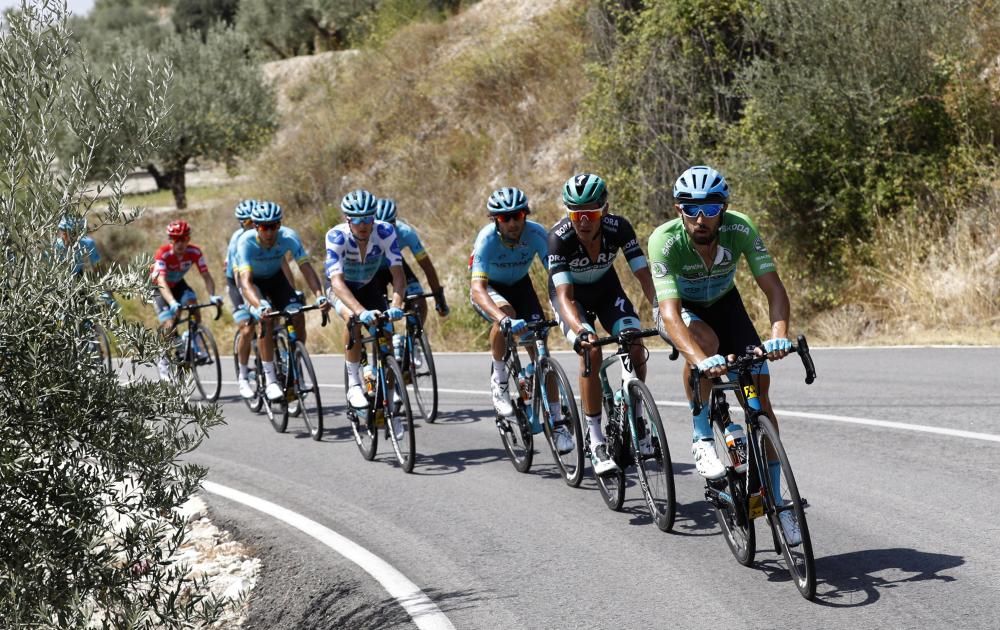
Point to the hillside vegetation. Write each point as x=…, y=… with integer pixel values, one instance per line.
x=884, y=222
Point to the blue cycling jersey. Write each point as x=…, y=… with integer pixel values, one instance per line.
x=85, y=254
x=343, y=256
x=408, y=238
x=498, y=261
x=231, y=253
x=264, y=262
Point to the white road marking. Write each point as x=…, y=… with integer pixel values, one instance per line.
x=887, y=424
x=424, y=612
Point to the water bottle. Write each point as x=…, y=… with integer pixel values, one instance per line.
x=397, y=347
x=369, y=378
x=736, y=440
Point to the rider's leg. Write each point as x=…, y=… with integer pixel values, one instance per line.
x=299, y=321
x=707, y=340
x=498, y=345
x=265, y=344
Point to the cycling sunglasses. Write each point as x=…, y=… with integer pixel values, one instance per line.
x=267, y=227
x=518, y=216
x=579, y=215
x=366, y=220
x=710, y=210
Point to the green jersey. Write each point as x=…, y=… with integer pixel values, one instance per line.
x=679, y=271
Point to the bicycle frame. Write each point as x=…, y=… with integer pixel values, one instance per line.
x=537, y=335
x=381, y=338
x=193, y=322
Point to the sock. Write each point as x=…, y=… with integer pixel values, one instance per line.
x=702, y=428
x=244, y=371
x=499, y=371
x=353, y=373
x=269, y=374
x=775, y=469
x=596, y=434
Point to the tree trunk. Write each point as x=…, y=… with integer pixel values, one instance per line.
x=158, y=177
x=178, y=186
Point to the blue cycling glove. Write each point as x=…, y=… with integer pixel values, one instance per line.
x=172, y=310
x=780, y=344
x=215, y=299
x=394, y=314
x=367, y=316
x=716, y=360
x=515, y=325
x=258, y=311
x=321, y=301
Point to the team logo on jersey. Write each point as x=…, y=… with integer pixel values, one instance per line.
x=660, y=270
x=337, y=237
x=724, y=258
x=620, y=304
x=758, y=245
x=384, y=230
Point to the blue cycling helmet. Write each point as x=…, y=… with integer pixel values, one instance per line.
x=701, y=183
x=73, y=224
x=385, y=210
x=507, y=200
x=358, y=203
x=266, y=212
x=244, y=209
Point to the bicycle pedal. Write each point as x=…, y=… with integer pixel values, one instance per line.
x=803, y=502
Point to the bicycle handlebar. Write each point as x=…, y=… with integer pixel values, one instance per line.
x=625, y=338
x=293, y=309
x=354, y=320
x=198, y=307
x=746, y=362
x=535, y=328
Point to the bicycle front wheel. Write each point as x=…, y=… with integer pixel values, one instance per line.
x=552, y=378
x=307, y=392
x=279, y=407
x=733, y=505
x=363, y=425
x=206, y=367
x=515, y=431
x=423, y=377
x=399, y=417
x=798, y=554
x=655, y=470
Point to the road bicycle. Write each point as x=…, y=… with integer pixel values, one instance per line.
x=746, y=492
x=417, y=361
x=385, y=388
x=634, y=433
x=195, y=352
x=295, y=374
x=541, y=381
x=256, y=403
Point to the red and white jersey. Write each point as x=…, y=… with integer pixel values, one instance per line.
x=167, y=264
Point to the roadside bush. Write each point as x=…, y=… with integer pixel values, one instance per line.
x=89, y=470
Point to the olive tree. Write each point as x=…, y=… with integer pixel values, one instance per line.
x=90, y=471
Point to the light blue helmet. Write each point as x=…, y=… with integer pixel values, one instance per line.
x=701, y=183
x=385, y=210
x=244, y=209
x=266, y=212
x=358, y=203
x=507, y=200
x=73, y=224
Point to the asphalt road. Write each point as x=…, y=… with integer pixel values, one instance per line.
x=904, y=523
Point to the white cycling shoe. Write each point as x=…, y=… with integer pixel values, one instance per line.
x=501, y=399
x=602, y=462
x=646, y=448
x=790, y=527
x=356, y=397
x=564, y=441
x=273, y=391
x=398, y=427
x=246, y=391
x=706, y=460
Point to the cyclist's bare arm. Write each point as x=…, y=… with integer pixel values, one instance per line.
x=245, y=281
x=312, y=279
x=481, y=298
x=778, y=306
x=567, y=307
x=287, y=270
x=209, y=282
x=398, y=285
x=645, y=278
x=431, y=273
x=161, y=284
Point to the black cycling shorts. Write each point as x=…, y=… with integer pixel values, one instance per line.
x=520, y=296
x=729, y=320
x=276, y=290
x=383, y=278
x=603, y=301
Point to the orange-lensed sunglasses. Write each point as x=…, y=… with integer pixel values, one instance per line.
x=513, y=216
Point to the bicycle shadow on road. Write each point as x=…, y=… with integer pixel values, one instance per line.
x=451, y=462
x=850, y=580
x=462, y=416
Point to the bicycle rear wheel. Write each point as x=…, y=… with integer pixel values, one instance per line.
x=205, y=365
x=363, y=425
x=798, y=557
x=655, y=471
x=307, y=392
x=550, y=375
x=399, y=416
x=732, y=507
x=515, y=432
x=423, y=377
x=279, y=417
x=255, y=403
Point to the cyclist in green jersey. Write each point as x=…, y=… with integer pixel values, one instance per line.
x=694, y=258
